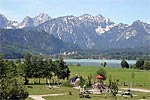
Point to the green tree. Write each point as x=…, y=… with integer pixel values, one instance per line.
x=39, y=68
x=139, y=64
x=27, y=59
x=12, y=88
x=82, y=81
x=105, y=64
x=114, y=89
x=89, y=81
x=42, y=67
x=61, y=70
x=49, y=67
x=20, y=67
x=11, y=83
x=27, y=67
x=124, y=64
x=35, y=67
x=2, y=67
x=146, y=65
x=11, y=68
x=102, y=72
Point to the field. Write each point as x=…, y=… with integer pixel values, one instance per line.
x=75, y=94
x=141, y=80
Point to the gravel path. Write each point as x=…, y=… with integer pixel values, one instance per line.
x=137, y=89
x=39, y=97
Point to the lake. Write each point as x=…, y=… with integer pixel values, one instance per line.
x=97, y=62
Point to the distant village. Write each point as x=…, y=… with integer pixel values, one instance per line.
x=69, y=53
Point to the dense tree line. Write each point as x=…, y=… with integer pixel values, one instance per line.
x=14, y=74
x=41, y=67
x=140, y=64
x=11, y=81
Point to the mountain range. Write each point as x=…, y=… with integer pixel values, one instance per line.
x=85, y=32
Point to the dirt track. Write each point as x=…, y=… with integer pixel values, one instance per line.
x=39, y=97
x=137, y=89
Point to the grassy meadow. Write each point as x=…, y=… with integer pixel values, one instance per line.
x=141, y=80
x=75, y=96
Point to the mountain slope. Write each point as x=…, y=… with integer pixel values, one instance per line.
x=29, y=22
x=124, y=36
x=88, y=32
x=6, y=24
x=17, y=41
x=78, y=30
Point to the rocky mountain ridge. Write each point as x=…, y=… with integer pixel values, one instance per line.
x=87, y=31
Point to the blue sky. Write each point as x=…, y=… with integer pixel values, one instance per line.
x=125, y=11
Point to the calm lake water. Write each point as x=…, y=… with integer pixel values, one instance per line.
x=97, y=62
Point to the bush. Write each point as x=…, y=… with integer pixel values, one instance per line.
x=102, y=72
x=78, y=64
x=13, y=89
x=124, y=64
x=68, y=83
x=89, y=81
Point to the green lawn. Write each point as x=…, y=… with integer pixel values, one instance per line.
x=29, y=98
x=75, y=96
x=93, y=97
x=141, y=80
x=42, y=89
